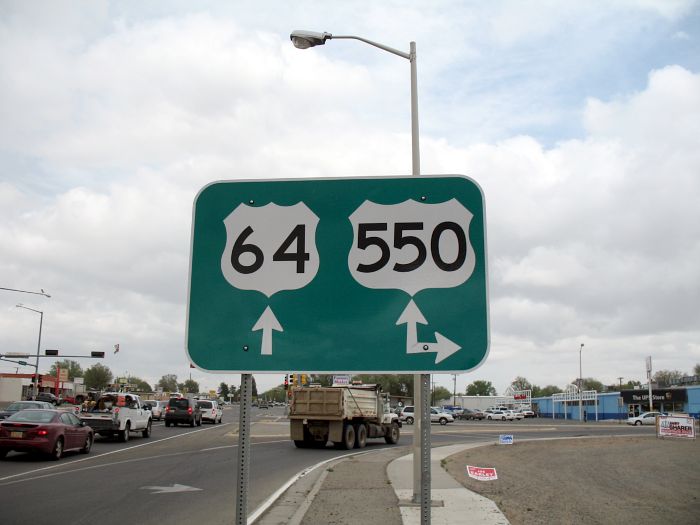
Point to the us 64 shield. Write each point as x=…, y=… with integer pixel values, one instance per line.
x=339, y=275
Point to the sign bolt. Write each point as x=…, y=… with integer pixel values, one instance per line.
x=423, y=198
x=245, y=348
x=251, y=202
x=426, y=348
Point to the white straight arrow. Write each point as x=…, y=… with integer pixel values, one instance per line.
x=267, y=323
x=411, y=316
x=175, y=488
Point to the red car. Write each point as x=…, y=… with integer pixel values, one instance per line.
x=50, y=432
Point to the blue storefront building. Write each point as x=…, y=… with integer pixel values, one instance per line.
x=618, y=405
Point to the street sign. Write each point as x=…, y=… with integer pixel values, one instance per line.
x=380, y=274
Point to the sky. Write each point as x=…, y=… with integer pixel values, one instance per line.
x=579, y=120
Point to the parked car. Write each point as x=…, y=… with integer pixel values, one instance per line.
x=47, y=431
x=501, y=415
x=516, y=414
x=526, y=412
x=472, y=413
x=407, y=415
x=48, y=397
x=437, y=415
x=182, y=410
x=263, y=404
x=157, y=408
x=210, y=411
x=645, y=418
x=22, y=405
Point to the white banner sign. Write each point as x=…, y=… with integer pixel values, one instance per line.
x=675, y=426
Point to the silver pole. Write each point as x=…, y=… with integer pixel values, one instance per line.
x=425, y=497
x=580, y=383
x=415, y=149
x=38, y=349
x=417, y=427
x=243, y=450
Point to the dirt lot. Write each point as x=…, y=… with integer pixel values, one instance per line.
x=640, y=480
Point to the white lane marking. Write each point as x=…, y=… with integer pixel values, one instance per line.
x=134, y=460
x=176, y=487
x=110, y=453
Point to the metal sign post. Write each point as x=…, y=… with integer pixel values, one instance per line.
x=243, y=450
x=425, y=498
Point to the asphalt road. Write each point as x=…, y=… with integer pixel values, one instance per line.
x=183, y=474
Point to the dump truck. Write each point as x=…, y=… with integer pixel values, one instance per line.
x=345, y=415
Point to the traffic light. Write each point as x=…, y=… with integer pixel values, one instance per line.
x=286, y=381
x=97, y=354
x=303, y=379
x=293, y=379
x=51, y=352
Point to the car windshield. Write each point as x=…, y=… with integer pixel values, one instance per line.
x=204, y=404
x=32, y=416
x=179, y=403
x=21, y=405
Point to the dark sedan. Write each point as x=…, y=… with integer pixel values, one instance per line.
x=50, y=432
x=22, y=405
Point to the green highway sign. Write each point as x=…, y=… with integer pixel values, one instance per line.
x=372, y=275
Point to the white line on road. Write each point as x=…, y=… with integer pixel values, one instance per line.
x=110, y=453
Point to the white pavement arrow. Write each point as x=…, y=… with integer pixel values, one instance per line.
x=411, y=316
x=267, y=323
x=175, y=488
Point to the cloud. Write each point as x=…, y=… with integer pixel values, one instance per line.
x=111, y=126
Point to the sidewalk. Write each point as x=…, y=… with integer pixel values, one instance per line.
x=377, y=487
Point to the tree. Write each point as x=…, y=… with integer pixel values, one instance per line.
x=520, y=383
x=254, y=393
x=546, y=391
x=97, y=377
x=139, y=384
x=190, y=386
x=233, y=391
x=168, y=383
x=696, y=370
x=668, y=377
x=440, y=393
x=394, y=384
x=73, y=367
x=274, y=394
x=589, y=383
x=223, y=390
x=481, y=388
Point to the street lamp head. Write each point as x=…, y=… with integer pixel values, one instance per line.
x=307, y=39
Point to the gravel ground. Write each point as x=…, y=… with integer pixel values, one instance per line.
x=640, y=480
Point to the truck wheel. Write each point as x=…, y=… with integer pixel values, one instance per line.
x=349, y=437
x=409, y=420
x=167, y=423
x=124, y=434
x=147, y=431
x=360, y=436
x=392, y=436
x=300, y=443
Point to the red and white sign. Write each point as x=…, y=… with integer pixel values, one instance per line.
x=482, y=473
x=676, y=426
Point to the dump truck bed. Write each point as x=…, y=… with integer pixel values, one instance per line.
x=333, y=403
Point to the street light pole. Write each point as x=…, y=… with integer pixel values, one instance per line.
x=421, y=382
x=38, y=348
x=580, y=383
x=42, y=292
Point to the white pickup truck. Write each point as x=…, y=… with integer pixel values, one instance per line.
x=118, y=414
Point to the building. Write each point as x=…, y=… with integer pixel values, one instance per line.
x=618, y=405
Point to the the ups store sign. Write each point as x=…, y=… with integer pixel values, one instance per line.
x=671, y=395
